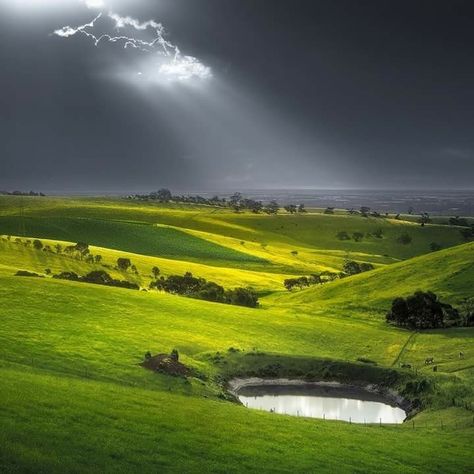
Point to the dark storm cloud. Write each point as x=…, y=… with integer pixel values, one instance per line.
x=310, y=93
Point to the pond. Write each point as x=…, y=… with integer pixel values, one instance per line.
x=328, y=401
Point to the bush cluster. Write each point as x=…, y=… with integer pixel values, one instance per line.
x=314, y=279
x=423, y=310
x=353, y=268
x=98, y=277
x=200, y=288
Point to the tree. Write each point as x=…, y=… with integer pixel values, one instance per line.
x=272, y=207
x=37, y=244
x=162, y=195
x=82, y=248
x=378, y=233
x=98, y=258
x=58, y=248
x=242, y=297
x=291, y=208
x=329, y=210
x=459, y=221
x=353, y=268
x=300, y=282
x=424, y=219
x=357, y=236
x=343, y=235
x=301, y=208
x=467, y=234
x=155, y=272
x=124, y=263
x=235, y=201
x=423, y=310
x=404, y=239
x=364, y=211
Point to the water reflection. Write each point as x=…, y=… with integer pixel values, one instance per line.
x=331, y=403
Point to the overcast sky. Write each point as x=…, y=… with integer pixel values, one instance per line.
x=262, y=94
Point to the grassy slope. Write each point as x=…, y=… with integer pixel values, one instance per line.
x=14, y=255
x=367, y=296
x=71, y=350
x=311, y=231
x=101, y=427
x=97, y=335
x=449, y=273
x=127, y=236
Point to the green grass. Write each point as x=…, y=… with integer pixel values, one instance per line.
x=129, y=237
x=74, y=399
x=449, y=273
x=101, y=427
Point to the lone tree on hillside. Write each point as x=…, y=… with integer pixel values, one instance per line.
x=37, y=244
x=424, y=219
x=82, y=248
x=404, y=239
x=155, y=272
x=124, y=263
x=423, y=310
x=357, y=236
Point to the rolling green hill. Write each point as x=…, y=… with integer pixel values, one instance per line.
x=73, y=397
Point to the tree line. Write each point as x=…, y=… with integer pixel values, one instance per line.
x=350, y=267
x=200, y=288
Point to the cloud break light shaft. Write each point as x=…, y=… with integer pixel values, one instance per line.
x=180, y=67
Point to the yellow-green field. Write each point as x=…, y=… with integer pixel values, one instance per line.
x=74, y=399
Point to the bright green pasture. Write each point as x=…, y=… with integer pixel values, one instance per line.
x=60, y=424
x=17, y=256
x=129, y=237
x=70, y=327
x=449, y=273
x=74, y=399
x=312, y=230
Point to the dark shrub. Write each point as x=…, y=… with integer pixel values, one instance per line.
x=24, y=273
x=211, y=291
x=67, y=276
x=99, y=277
x=242, y=297
x=434, y=247
x=353, y=268
x=343, y=235
x=123, y=263
x=193, y=287
x=37, y=244
x=404, y=239
x=423, y=310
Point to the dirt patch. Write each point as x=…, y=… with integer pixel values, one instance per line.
x=166, y=364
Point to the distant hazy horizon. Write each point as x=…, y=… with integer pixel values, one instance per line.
x=440, y=202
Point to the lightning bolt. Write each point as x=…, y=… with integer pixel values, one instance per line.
x=179, y=67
